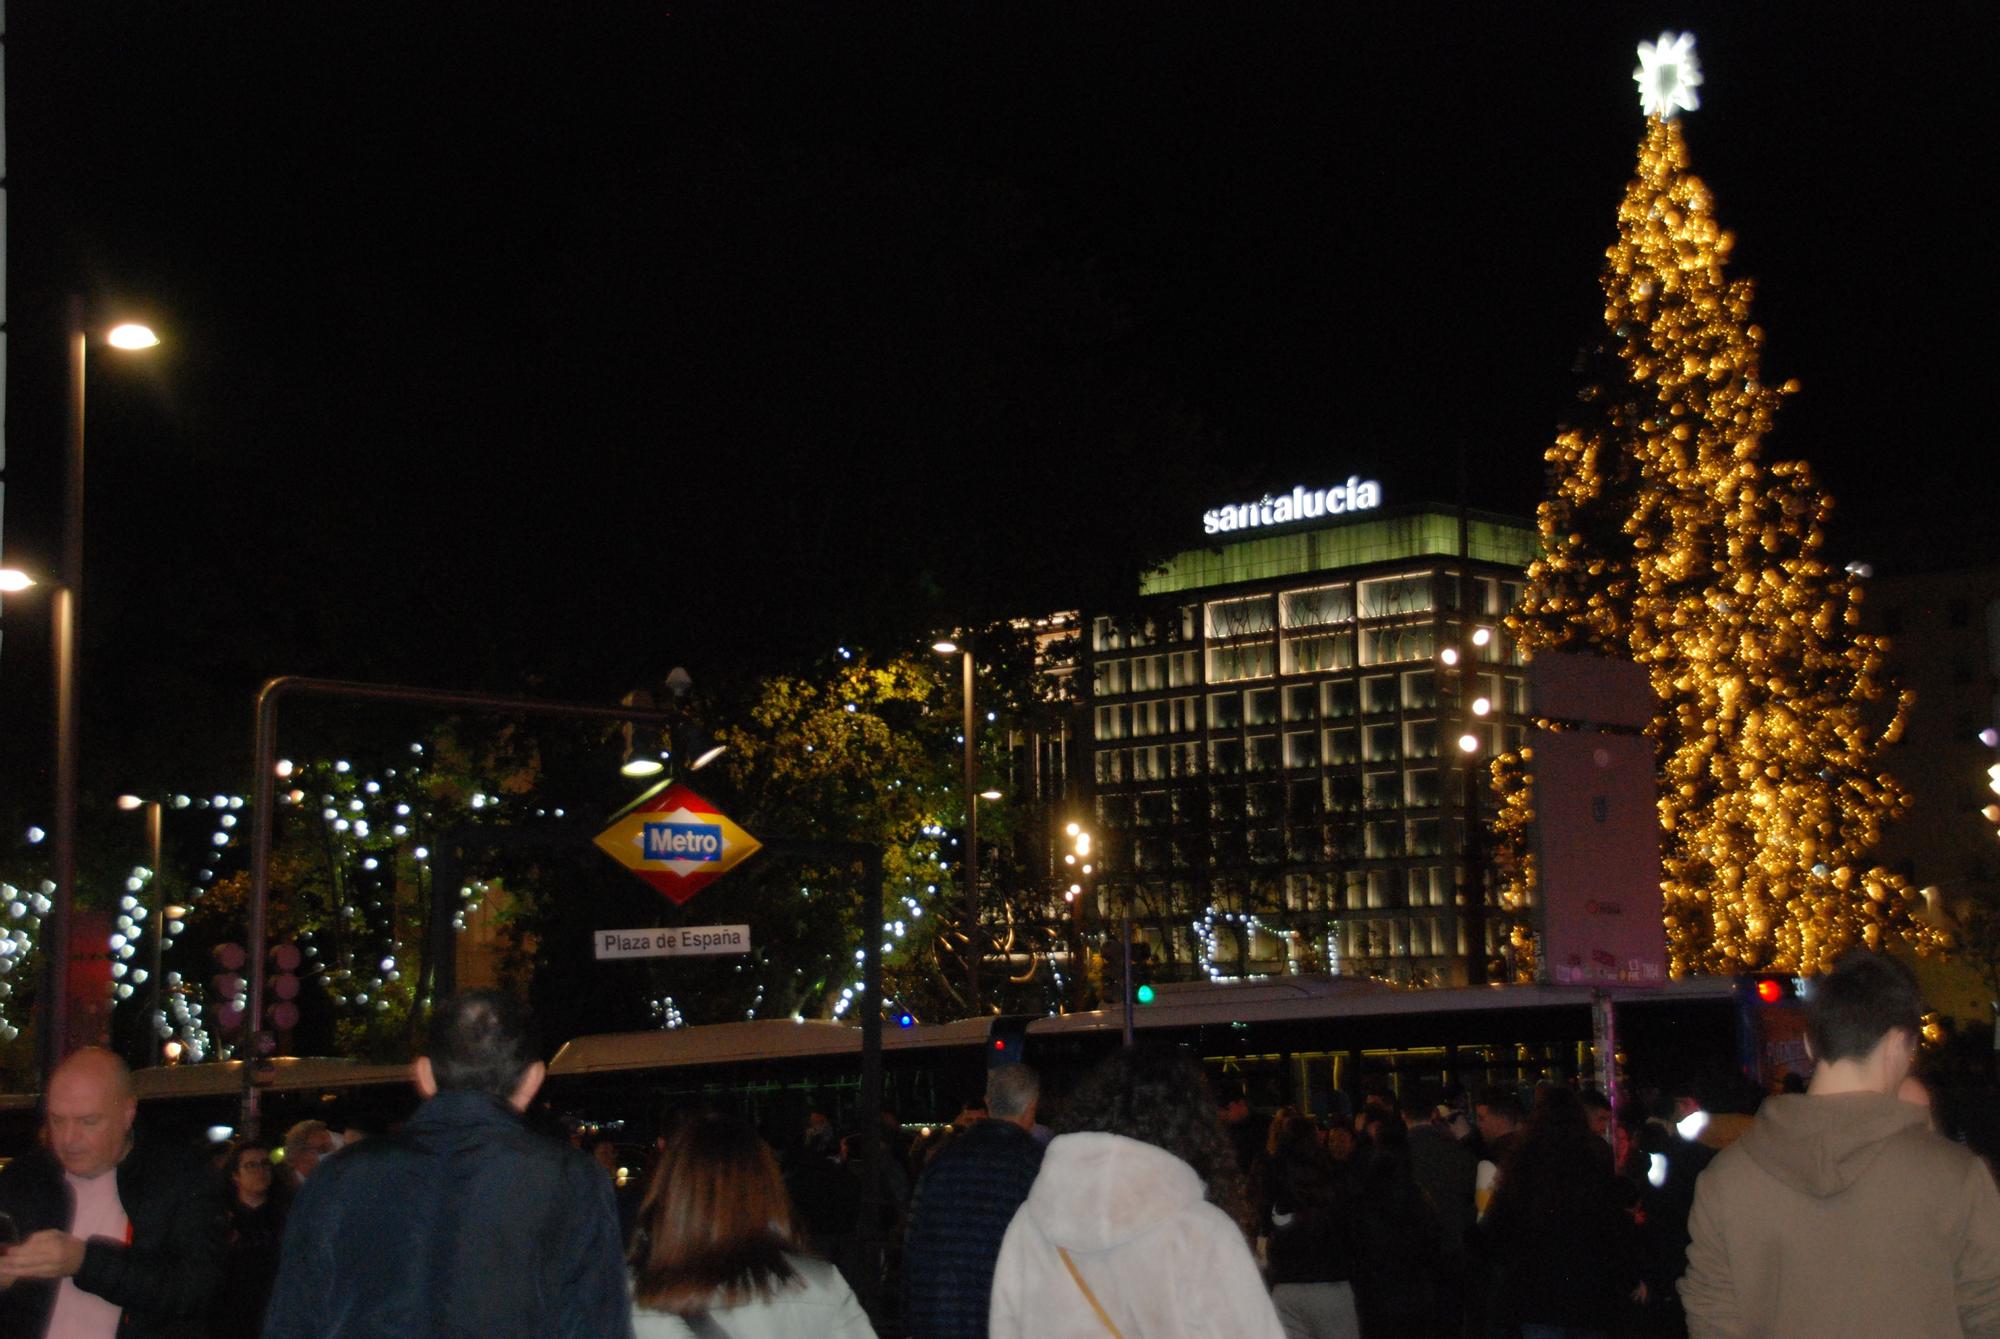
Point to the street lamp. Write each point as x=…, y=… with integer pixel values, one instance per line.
x=947, y=647
x=162, y=913
x=67, y=612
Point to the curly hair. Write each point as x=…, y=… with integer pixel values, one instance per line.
x=1159, y=1095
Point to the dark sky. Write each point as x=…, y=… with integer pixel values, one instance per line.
x=550, y=346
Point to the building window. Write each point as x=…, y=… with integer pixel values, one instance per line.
x=1225, y=711
x=1260, y=706
x=1385, y=839
x=1264, y=755
x=1380, y=893
x=1420, y=788
x=1387, y=596
x=1393, y=645
x=1426, y=886
x=1106, y=635
x=1301, y=701
x=1317, y=607
x=1225, y=756
x=1420, y=739
x=1149, y=764
x=1342, y=747
x=1184, y=759
x=1226, y=804
x=1319, y=653
x=1246, y=617
x=1114, y=722
x=1228, y=664
x=1343, y=794
x=1107, y=678
x=1148, y=673
x=1339, y=698
x=1423, y=837
x=1184, y=715
x=1183, y=669
x=1378, y=694
x=1420, y=691
x=1302, y=748
x=1384, y=789
x=1382, y=743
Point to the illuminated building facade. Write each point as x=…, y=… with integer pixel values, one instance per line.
x=1274, y=737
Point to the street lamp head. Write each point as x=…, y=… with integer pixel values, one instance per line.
x=642, y=767
x=707, y=756
x=131, y=335
x=945, y=646
x=989, y=795
x=1468, y=743
x=13, y=579
x=129, y=802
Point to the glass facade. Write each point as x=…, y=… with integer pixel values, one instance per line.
x=1300, y=760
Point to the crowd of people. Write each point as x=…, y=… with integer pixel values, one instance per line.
x=1151, y=1207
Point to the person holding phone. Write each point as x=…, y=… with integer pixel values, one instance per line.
x=119, y=1236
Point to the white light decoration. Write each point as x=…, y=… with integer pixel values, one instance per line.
x=1668, y=76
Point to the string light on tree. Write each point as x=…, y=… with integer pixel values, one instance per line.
x=1669, y=538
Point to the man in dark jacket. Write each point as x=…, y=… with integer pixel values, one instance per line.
x=466, y=1223
x=962, y=1206
x=119, y=1237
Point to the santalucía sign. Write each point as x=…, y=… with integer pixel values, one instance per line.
x=1301, y=504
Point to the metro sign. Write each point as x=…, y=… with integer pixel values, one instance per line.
x=678, y=842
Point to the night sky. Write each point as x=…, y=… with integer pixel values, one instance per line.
x=545, y=347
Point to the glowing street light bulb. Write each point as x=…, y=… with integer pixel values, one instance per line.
x=1072, y=830
x=1480, y=706
x=1083, y=843
x=129, y=802
x=638, y=767
x=131, y=335
x=13, y=579
x=1481, y=636
x=1449, y=655
x=990, y=795
x=945, y=646
x=1468, y=743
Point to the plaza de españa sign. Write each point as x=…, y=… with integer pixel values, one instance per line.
x=678, y=842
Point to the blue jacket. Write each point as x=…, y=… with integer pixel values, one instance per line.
x=959, y=1213
x=467, y=1225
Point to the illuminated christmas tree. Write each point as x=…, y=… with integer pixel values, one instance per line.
x=1670, y=539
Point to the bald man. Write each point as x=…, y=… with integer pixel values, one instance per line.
x=120, y=1237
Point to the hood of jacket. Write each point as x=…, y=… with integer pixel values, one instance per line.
x=1097, y=1191
x=1821, y=1146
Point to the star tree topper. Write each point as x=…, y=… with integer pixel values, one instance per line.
x=1668, y=76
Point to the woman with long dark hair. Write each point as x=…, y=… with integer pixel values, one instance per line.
x=716, y=1255
x=1566, y=1249
x=1137, y=1224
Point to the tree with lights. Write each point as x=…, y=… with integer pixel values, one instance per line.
x=1671, y=539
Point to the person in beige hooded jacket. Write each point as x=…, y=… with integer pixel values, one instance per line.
x=1840, y=1213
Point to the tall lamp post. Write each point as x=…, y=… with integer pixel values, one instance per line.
x=974, y=946
x=67, y=612
x=164, y=914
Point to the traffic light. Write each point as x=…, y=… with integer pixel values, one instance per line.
x=1769, y=990
x=1006, y=1039
x=1142, y=972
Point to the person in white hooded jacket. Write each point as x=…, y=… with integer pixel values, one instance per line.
x=1125, y=1232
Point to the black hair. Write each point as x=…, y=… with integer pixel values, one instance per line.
x=1156, y=1094
x=1865, y=996
x=480, y=1042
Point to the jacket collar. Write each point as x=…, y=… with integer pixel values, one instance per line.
x=457, y=1107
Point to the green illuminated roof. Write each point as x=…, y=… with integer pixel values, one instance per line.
x=1380, y=539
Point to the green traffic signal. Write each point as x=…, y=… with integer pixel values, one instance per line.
x=1144, y=994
